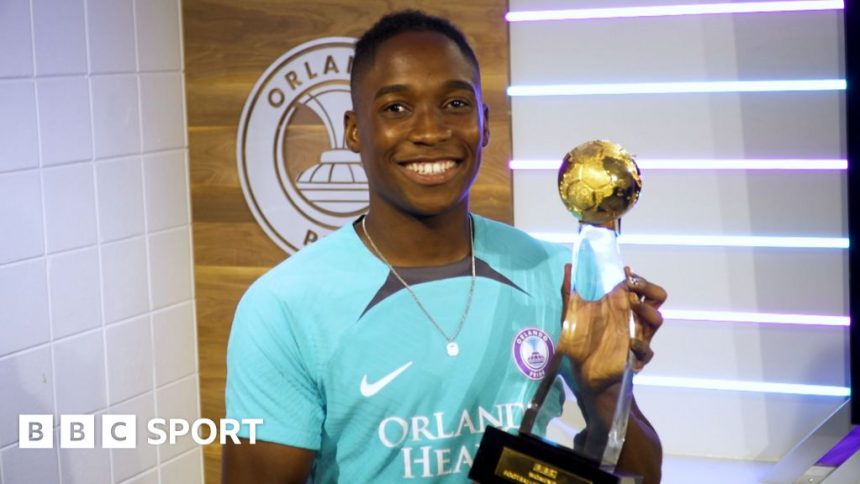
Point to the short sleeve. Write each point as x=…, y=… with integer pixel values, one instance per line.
x=269, y=358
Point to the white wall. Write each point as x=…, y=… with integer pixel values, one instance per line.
x=96, y=288
x=747, y=429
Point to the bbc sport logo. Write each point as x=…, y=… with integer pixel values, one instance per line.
x=36, y=431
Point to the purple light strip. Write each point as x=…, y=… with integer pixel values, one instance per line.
x=703, y=164
x=742, y=386
x=796, y=242
x=843, y=450
x=685, y=87
x=673, y=10
x=760, y=318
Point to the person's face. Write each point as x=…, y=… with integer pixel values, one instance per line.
x=419, y=124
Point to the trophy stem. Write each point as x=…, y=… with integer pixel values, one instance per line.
x=540, y=395
x=618, y=430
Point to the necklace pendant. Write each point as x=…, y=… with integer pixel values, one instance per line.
x=453, y=348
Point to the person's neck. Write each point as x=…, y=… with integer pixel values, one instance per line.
x=407, y=240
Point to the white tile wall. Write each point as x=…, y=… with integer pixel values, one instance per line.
x=19, y=138
x=129, y=462
x=61, y=46
x=178, y=400
x=75, y=282
x=24, y=299
x=111, y=35
x=120, y=198
x=129, y=359
x=70, y=206
x=64, y=119
x=162, y=111
x=146, y=478
x=21, y=214
x=158, y=35
x=93, y=199
x=185, y=469
x=86, y=465
x=30, y=465
x=124, y=279
x=175, y=343
x=16, y=57
x=116, y=117
x=80, y=369
x=30, y=374
x=169, y=259
x=166, y=189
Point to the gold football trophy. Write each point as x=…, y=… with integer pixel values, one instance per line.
x=574, y=427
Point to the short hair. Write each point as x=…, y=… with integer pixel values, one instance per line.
x=398, y=23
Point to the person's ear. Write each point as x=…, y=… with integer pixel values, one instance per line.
x=350, y=124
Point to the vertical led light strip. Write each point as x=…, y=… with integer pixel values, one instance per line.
x=673, y=10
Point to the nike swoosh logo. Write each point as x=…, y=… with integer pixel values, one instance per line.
x=371, y=389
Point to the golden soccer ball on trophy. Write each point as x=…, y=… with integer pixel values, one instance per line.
x=598, y=182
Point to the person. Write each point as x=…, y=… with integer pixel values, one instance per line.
x=381, y=352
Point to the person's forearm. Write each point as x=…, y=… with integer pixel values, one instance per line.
x=642, y=453
x=598, y=408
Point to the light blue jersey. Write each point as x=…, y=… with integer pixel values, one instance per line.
x=335, y=356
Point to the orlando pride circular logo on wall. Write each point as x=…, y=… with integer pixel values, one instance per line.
x=532, y=352
x=298, y=177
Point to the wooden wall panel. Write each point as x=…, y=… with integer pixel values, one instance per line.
x=228, y=45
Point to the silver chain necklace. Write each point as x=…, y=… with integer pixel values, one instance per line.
x=452, y=347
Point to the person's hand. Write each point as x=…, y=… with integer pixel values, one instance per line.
x=596, y=334
x=645, y=301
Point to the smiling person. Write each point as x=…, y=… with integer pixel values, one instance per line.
x=383, y=351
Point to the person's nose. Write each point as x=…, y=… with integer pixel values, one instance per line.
x=429, y=127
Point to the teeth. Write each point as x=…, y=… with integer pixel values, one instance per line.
x=431, y=167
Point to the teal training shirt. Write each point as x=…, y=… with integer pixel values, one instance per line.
x=334, y=354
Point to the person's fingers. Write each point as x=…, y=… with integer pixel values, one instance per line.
x=649, y=318
x=647, y=291
x=643, y=352
x=645, y=301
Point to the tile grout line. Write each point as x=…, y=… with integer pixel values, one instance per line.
x=146, y=227
x=11, y=79
x=44, y=256
x=184, y=453
x=130, y=479
x=94, y=158
x=99, y=241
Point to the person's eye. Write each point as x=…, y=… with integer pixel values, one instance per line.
x=396, y=108
x=459, y=103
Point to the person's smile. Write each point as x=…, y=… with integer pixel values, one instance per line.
x=431, y=170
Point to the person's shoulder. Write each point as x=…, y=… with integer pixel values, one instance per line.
x=504, y=238
x=311, y=267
